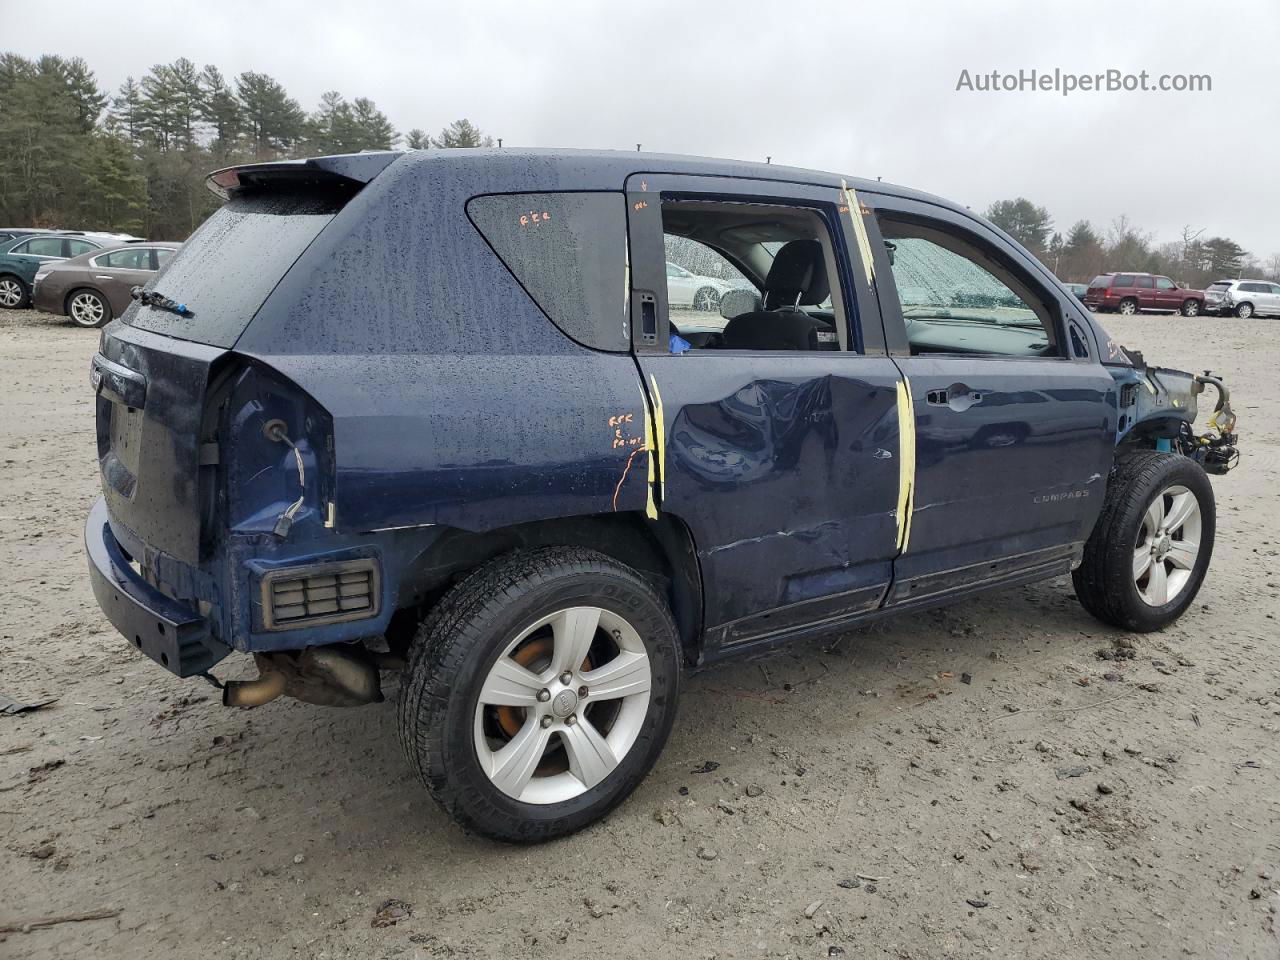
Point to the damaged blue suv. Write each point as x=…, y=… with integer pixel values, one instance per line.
x=438, y=411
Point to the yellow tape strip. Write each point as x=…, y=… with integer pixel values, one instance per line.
x=651, y=508
x=660, y=437
x=860, y=231
x=906, y=463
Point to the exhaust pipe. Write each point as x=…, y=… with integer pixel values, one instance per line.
x=254, y=693
x=341, y=675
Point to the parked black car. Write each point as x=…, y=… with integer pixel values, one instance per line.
x=432, y=409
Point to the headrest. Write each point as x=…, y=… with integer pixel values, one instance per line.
x=734, y=303
x=798, y=276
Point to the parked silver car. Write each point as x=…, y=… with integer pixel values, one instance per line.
x=1244, y=298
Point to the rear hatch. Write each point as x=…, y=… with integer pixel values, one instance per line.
x=156, y=364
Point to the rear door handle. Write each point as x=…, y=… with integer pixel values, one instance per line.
x=958, y=397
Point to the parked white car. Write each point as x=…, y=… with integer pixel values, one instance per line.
x=1244, y=298
x=691, y=290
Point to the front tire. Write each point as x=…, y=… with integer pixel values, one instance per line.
x=1150, y=549
x=504, y=742
x=88, y=308
x=14, y=294
x=1190, y=308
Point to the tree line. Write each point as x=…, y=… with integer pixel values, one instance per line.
x=1083, y=251
x=134, y=161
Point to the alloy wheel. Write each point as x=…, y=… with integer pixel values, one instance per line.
x=563, y=705
x=87, y=309
x=1168, y=546
x=10, y=293
x=1128, y=308
x=706, y=299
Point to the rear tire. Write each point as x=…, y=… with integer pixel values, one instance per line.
x=485, y=676
x=1128, y=307
x=14, y=293
x=707, y=299
x=88, y=308
x=1244, y=311
x=1150, y=549
x=1190, y=308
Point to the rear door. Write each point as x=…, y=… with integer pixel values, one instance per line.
x=1013, y=428
x=781, y=457
x=1145, y=289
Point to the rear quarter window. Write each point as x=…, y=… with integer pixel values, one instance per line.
x=1123, y=280
x=229, y=266
x=569, y=252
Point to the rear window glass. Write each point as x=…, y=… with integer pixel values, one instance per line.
x=1102, y=281
x=1219, y=286
x=569, y=252
x=224, y=273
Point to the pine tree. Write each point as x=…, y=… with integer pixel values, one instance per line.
x=374, y=131
x=273, y=120
x=1024, y=221
x=417, y=139
x=219, y=108
x=462, y=133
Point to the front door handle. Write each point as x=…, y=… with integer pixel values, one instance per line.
x=958, y=397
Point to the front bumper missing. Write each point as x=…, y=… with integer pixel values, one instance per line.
x=169, y=632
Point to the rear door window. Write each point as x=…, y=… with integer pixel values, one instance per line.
x=1144, y=282
x=569, y=252
x=132, y=259
x=41, y=247
x=234, y=260
x=77, y=247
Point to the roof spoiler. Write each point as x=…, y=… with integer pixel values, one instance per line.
x=350, y=168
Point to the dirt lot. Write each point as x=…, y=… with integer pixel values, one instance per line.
x=1011, y=793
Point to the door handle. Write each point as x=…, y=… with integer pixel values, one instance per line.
x=957, y=396
x=102, y=278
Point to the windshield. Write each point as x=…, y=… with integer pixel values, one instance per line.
x=224, y=273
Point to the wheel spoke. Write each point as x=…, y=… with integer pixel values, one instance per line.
x=1154, y=515
x=1158, y=584
x=574, y=631
x=1141, y=561
x=510, y=685
x=1183, y=553
x=624, y=675
x=591, y=758
x=1184, y=504
x=512, y=767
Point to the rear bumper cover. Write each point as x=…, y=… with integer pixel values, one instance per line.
x=169, y=632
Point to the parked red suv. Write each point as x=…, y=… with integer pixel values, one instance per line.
x=1131, y=292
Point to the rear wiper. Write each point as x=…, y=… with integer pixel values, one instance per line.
x=149, y=298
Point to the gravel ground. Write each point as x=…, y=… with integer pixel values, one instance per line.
x=975, y=780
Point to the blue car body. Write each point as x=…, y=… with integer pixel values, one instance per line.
x=366, y=402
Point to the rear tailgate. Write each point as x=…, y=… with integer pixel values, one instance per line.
x=150, y=398
x=156, y=362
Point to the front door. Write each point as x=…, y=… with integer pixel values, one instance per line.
x=1014, y=431
x=776, y=417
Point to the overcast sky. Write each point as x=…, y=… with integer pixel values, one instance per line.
x=859, y=88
